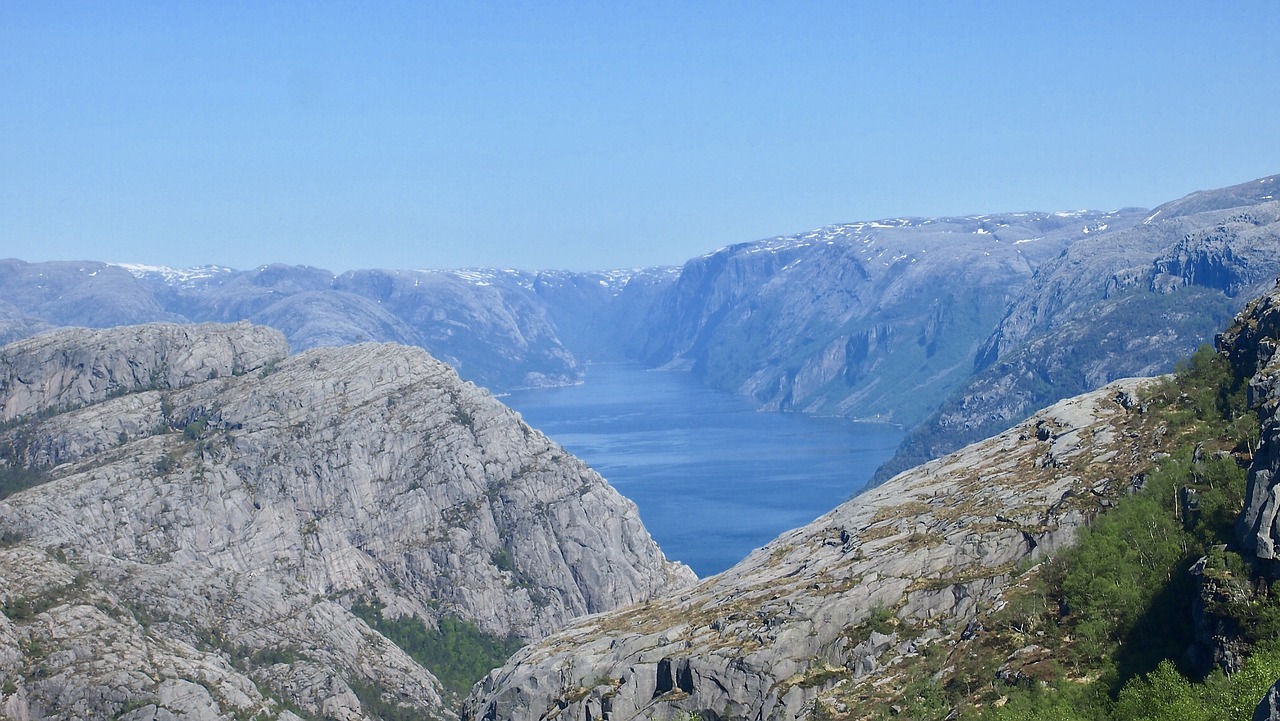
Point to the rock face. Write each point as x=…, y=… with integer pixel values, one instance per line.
x=875, y=319
x=1251, y=345
x=765, y=638
x=1269, y=707
x=1126, y=302
x=193, y=514
x=76, y=368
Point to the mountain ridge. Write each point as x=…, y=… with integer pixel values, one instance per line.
x=954, y=327
x=224, y=506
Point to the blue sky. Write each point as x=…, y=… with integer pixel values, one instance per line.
x=594, y=135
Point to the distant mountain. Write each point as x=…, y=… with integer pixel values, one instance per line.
x=867, y=320
x=1128, y=302
x=497, y=328
x=966, y=324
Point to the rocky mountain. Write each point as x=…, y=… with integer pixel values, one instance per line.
x=501, y=329
x=192, y=520
x=1252, y=345
x=955, y=326
x=870, y=320
x=936, y=584
x=765, y=638
x=1126, y=302
x=931, y=581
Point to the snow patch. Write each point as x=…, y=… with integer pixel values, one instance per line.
x=172, y=276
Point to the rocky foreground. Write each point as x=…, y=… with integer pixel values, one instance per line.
x=191, y=514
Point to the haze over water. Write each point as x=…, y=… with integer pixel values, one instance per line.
x=713, y=478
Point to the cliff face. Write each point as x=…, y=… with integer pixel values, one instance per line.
x=874, y=319
x=1251, y=345
x=195, y=513
x=767, y=637
x=1124, y=303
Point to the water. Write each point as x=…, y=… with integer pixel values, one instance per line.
x=713, y=478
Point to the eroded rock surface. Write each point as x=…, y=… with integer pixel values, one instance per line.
x=195, y=528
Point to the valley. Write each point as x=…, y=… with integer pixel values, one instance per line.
x=285, y=493
x=713, y=477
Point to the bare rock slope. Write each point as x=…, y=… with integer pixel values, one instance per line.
x=767, y=637
x=192, y=514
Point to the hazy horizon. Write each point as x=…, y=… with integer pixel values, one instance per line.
x=593, y=136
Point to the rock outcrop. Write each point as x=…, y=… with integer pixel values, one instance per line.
x=764, y=639
x=192, y=517
x=1251, y=345
x=69, y=369
x=1268, y=708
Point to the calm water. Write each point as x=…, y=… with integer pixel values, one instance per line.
x=713, y=478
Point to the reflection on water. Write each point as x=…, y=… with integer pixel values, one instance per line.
x=713, y=478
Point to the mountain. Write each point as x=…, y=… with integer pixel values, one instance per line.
x=1050, y=571
x=1127, y=302
x=195, y=524
x=955, y=327
x=869, y=320
x=501, y=329
x=764, y=638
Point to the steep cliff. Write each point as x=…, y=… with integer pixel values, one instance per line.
x=193, y=514
x=1122, y=303
x=767, y=637
x=876, y=319
x=1251, y=344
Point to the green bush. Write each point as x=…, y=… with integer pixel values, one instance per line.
x=458, y=652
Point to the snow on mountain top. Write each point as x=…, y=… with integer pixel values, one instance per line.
x=990, y=227
x=613, y=279
x=174, y=275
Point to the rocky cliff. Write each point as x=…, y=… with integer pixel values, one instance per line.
x=192, y=513
x=872, y=320
x=1125, y=302
x=766, y=638
x=1251, y=345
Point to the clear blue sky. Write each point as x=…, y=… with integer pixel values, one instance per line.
x=594, y=135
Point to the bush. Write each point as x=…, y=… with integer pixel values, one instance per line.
x=457, y=651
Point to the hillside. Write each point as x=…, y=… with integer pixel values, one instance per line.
x=954, y=590
x=868, y=320
x=194, y=523
x=1124, y=303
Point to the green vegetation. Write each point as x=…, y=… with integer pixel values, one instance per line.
x=14, y=478
x=376, y=703
x=457, y=652
x=1104, y=630
x=15, y=474
x=1117, y=607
